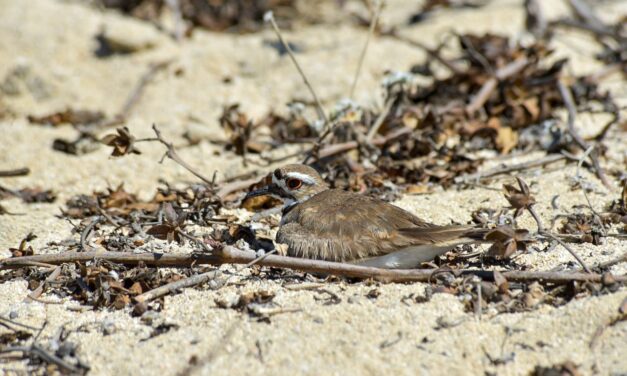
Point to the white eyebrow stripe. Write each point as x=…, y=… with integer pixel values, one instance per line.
x=280, y=183
x=302, y=177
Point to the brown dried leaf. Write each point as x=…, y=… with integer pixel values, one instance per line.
x=519, y=199
x=122, y=143
x=506, y=139
x=164, y=232
x=507, y=241
x=121, y=301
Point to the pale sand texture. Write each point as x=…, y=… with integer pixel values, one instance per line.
x=56, y=40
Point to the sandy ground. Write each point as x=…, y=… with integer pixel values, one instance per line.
x=54, y=41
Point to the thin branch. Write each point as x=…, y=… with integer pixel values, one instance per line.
x=139, y=89
x=40, y=289
x=134, y=96
x=585, y=13
x=622, y=258
x=229, y=188
x=13, y=173
x=175, y=286
x=335, y=149
x=549, y=159
x=6, y=321
x=536, y=217
x=478, y=308
x=434, y=53
x=488, y=87
x=179, y=23
x=381, y=118
x=190, y=281
x=231, y=255
x=569, y=249
x=362, y=56
x=548, y=234
x=569, y=102
x=173, y=155
x=269, y=17
x=535, y=20
x=86, y=233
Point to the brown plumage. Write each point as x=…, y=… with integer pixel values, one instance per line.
x=335, y=225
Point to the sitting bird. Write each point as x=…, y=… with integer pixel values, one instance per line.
x=336, y=225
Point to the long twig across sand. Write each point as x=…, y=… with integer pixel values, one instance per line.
x=231, y=255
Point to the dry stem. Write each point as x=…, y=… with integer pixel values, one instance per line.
x=173, y=155
x=269, y=17
x=373, y=25
x=231, y=255
x=572, y=112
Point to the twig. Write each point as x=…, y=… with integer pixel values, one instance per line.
x=229, y=188
x=618, y=260
x=269, y=17
x=551, y=158
x=40, y=289
x=488, y=87
x=373, y=25
x=86, y=233
x=231, y=255
x=40, y=352
x=569, y=102
x=4, y=321
x=434, y=53
x=17, y=172
x=187, y=282
x=175, y=286
x=578, y=176
x=335, y=149
x=543, y=232
x=52, y=358
x=535, y=20
x=139, y=89
x=585, y=13
x=586, y=27
x=479, y=298
x=536, y=217
x=179, y=24
x=381, y=118
x=173, y=155
x=569, y=249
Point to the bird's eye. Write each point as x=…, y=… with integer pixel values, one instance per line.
x=293, y=183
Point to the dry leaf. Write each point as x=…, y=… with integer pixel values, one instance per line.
x=506, y=139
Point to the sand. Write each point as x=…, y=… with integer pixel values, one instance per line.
x=54, y=41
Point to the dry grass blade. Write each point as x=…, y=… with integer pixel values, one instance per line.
x=269, y=17
x=362, y=56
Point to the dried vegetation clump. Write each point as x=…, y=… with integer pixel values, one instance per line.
x=497, y=98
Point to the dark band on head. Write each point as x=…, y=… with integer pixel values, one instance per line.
x=278, y=174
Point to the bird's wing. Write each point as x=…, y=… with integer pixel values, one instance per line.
x=342, y=226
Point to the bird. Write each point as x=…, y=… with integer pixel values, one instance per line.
x=336, y=225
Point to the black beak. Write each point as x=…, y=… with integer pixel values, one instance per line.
x=271, y=189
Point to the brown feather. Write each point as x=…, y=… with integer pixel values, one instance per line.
x=342, y=226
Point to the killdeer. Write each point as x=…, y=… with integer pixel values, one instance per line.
x=336, y=225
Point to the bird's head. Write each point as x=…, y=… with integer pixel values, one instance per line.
x=293, y=183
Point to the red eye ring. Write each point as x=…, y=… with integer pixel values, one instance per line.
x=293, y=183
